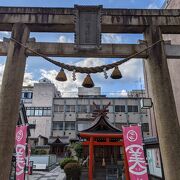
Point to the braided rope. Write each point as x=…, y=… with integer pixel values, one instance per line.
x=88, y=70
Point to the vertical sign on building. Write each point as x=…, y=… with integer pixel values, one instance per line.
x=20, y=143
x=88, y=27
x=135, y=153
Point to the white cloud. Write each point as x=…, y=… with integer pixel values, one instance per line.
x=69, y=88
x=122, y=93
x=153, y=5
x=111, y=38
x=5, y=33
x=28, y=77
x=64, y=39
x=1, y=71
x=90, y=62
x=132, y=70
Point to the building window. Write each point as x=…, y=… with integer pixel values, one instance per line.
x=109, y=108
x=145, y=127
x=46, y=111
x=132, y=108
x=119, y=108
x=28, y=112
x=57, y=125
x=93, y=108
x=31, y=111
x=69, y=125
x=26, y=95
x=70, y=108
x=38, y=111
x=82, y=108
x=82, y=125
x=58, y=108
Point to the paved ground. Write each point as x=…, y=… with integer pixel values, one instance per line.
x=55, y=174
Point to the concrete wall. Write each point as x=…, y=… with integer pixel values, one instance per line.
x=83, y=119
x=43, y=126
x=43, y=94
x=92, y=91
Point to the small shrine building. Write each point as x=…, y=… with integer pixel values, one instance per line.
x=103, y=145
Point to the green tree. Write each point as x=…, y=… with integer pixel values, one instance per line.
x=78, y=149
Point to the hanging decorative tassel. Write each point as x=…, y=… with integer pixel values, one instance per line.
x=61, y=76
x=103, y=162
x=88, y=82
x=105, y=73
x=74, y=75
x=116, y=74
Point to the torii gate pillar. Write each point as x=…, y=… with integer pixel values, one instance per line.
x=10, y=96
x=164, y=105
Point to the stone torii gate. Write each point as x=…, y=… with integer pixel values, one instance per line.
x=152, y=23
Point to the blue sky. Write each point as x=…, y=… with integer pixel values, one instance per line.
x=37, y=68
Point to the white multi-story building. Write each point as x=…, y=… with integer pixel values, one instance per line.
x=51, y=116
x=38, y=100
x=75, y=114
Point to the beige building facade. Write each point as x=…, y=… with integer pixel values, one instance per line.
x=38, y=100
x=75, y=114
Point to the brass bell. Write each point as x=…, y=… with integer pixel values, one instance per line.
x=116, y=74
x=61, y=76
x=88, y=82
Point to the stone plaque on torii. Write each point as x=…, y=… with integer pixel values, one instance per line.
x=88, y=27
